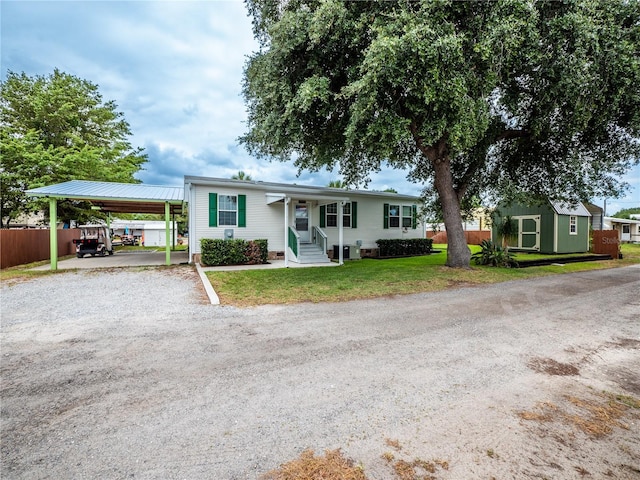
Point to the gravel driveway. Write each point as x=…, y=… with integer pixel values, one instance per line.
x=131, y=374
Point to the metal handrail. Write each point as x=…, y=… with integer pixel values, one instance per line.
x=317, y=232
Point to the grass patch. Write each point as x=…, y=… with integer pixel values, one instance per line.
x=369, y=278
x=21, y=273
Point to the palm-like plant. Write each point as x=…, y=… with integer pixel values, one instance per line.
x=241, y=176
x=494, y=255
x=337, y=184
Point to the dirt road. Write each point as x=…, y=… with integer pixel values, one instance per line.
x=130, y=374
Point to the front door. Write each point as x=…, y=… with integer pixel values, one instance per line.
x=626, y=233
x=302, y=222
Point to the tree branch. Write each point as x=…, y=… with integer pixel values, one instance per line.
x=512, y=133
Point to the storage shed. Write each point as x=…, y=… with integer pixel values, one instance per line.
x=552, y=227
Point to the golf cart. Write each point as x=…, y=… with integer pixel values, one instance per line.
x=95, y=240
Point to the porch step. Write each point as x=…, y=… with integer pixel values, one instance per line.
x=312, y=253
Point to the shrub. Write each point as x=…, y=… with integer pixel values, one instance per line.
x=233, y=252
x=404, y=247
x=494, y=255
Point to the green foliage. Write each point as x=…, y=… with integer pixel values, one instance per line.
x=474, y=98
x=54, y=129
x=506, y=228
x=233, y=252
x=241, y=176
x=402, y=247
x=337, y=184
x=626, y=212
x=494, y=255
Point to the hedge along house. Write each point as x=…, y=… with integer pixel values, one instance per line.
x=552, y=227
x=301, y=224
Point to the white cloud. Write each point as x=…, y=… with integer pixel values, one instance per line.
x=174, y=68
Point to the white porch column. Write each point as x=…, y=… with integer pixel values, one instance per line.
x=340, y=233
x=286, y=232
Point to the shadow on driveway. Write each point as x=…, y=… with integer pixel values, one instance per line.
x=121, y=259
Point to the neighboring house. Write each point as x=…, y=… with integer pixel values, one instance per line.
x=302, y=224
x=549, y=228
x=628, y=229
x=150, y=233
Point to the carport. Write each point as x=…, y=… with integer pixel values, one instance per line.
x=112, y=197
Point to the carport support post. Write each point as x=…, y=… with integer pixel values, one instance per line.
x=167, y=233
x=53, y=232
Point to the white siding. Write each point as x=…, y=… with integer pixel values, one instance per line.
x=266, y=221
x=370, y=226
x=263, y=221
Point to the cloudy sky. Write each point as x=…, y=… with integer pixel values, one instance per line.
x=174, y=68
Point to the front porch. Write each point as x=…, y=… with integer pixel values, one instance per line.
x=305, y=241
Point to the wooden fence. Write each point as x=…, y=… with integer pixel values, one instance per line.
x=474, y=237
x=606, y=242
x=18, y=247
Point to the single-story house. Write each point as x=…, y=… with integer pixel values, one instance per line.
x=629, y=229
x=302, y=224
x=150, y=233
x=552, y=227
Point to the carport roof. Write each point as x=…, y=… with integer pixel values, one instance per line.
x=117, y=197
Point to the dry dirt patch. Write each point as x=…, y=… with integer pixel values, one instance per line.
x=552, y=367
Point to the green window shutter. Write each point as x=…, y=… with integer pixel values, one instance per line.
x=323, y=215
x=414, y=216
x=213, y=209
x=354, y=214
x=242, y=210
x=386, y=216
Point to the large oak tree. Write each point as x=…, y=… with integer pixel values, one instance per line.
x=472, y=97
x=57, y=128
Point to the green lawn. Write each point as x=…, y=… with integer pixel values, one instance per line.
x=369, y=278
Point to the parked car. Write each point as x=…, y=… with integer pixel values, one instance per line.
x=94, y=240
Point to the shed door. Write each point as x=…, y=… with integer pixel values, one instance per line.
x=530, y=233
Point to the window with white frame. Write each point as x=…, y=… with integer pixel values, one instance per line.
x=227, y=210
x=407, y=216
x=573, y=225
x=394, y=216
x=331, y=215
x=346, y=215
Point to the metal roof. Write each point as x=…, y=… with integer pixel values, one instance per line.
x=117, y=197
x=567, y=209
x=293, y=189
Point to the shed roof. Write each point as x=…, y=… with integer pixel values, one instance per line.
x=567, y=209
x=117, y=197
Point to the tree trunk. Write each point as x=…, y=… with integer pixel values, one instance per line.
x=458, y=253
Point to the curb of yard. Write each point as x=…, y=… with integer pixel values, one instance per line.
x=211, y=293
